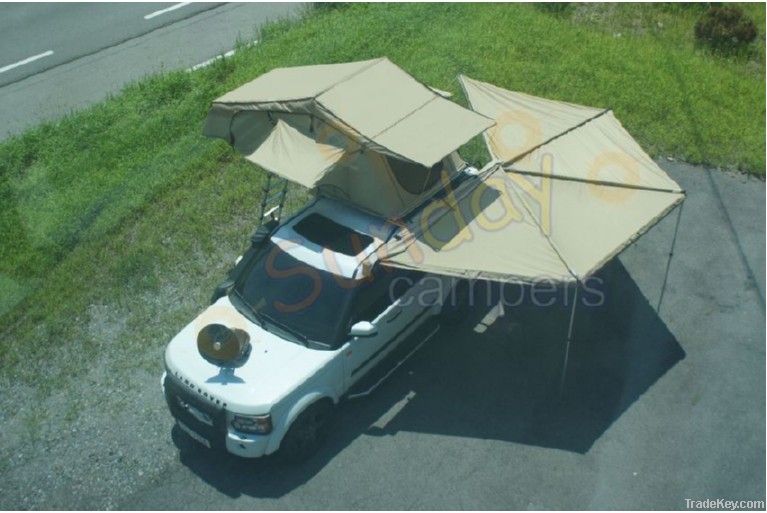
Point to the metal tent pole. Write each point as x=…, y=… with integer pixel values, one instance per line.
x=569, y=339
x=670, y=254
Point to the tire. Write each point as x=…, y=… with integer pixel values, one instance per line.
x=307, y=433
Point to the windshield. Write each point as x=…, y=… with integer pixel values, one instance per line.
x=306, y=301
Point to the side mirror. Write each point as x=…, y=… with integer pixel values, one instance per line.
x=363, y=329
x=262, y=233
x=221, y=290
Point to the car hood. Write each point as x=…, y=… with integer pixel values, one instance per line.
x=273, y=369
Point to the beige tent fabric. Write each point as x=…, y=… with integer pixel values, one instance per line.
x=571, y=191
x=374, y=102
x=550, y=138
x=294, y=83
x=332, y=163
x=523, y=122
x=589, y=223
x=296, y=156
x=342, y=128
x=436, y=122
x=366, y=180
x=376, y=99
x=508, y=228
x=483, y=230
x=334, y=166
x=599, y=151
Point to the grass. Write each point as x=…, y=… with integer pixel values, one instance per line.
x=117, y=203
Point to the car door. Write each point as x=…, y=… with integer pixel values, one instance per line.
x=396, y=302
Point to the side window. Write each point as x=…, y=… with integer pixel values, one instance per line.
x=402, y=281
x=388, y=284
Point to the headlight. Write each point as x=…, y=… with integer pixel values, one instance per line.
x=257, y=424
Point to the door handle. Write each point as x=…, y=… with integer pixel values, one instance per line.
x=393, y=315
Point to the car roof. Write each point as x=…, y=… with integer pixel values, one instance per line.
x=293, y=239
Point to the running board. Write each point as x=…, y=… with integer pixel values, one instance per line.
x=366, y=392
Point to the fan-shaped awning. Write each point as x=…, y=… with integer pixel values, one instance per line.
x=567, y=191
x=503, y=227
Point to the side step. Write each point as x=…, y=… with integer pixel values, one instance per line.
x=391, y=362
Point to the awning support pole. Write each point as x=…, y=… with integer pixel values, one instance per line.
x=670, y=254
x=569, y=339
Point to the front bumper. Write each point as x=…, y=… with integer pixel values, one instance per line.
x=246, y=445
x=209, y=422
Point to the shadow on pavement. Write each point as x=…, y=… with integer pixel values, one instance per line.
x=502, y=384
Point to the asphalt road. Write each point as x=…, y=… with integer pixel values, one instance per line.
x=56, y=58
x=73, y=30
x=657, y=408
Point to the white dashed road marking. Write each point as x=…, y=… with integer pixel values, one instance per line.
x=211, y=61
x=167, y=9
x=231, y=52
x=26, y=61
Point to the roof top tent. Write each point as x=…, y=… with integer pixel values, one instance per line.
x=566, y=191
x=362, y=132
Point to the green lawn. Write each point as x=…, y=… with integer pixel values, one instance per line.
x=126, y=199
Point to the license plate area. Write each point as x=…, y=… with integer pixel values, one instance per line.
x=193, y=434
x=198, y=414
x=203, y=422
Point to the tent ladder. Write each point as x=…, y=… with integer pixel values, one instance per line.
x=569, y=339
x=273, y=198
x=670, y=254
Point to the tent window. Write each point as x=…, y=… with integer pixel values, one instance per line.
x=414, y=178
x=329, y=234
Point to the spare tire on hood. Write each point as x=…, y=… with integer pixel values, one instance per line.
x=223, y=346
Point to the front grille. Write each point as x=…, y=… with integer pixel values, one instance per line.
x=176, y=394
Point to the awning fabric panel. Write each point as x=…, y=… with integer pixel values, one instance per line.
x=289, y=153
x=513, y=228
x=580, y=191
x=588, y=223
x=522, y=121
x=551, y=138
x=599, y=151
x=483, y=231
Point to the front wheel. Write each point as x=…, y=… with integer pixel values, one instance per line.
x=307, y=433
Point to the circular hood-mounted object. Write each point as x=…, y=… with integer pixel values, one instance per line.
x=222, y=346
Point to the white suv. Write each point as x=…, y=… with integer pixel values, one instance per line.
x=298, y=326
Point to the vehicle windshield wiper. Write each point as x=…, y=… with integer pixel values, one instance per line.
x=248, y=311
x=300, y=336
x=259, y=317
